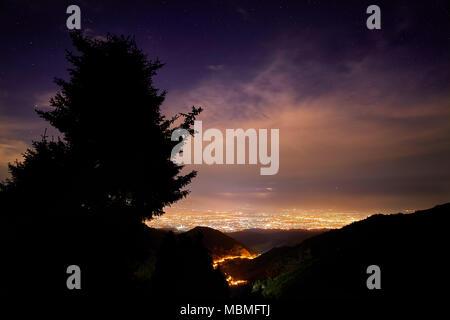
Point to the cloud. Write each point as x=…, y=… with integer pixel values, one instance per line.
x=216, y=67
x=242, y=12
x=42, y=100
x=90, y=33
x=355, y=133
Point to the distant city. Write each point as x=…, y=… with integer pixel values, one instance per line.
x=236, y=221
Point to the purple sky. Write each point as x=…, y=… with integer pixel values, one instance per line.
x=364, y=115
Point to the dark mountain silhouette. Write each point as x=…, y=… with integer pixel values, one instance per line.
x=262, y=240
x=269, y=264
x=410, y=249
x=218, y=243
x=183, y=271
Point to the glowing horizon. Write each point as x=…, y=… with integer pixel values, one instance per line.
x=237, y=221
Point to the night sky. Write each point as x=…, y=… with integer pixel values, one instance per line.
x=364, y=115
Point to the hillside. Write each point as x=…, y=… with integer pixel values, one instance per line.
x=218, y=243
x=410, y=249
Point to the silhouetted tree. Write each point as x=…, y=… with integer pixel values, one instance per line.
x=81, y=198
x=115, y=151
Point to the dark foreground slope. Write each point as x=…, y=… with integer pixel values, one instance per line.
x=410, y=249
x=219, y=244
x=117, y=258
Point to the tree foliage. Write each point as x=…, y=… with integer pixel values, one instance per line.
x=114, y=151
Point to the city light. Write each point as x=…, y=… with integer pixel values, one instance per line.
x=237, y=221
